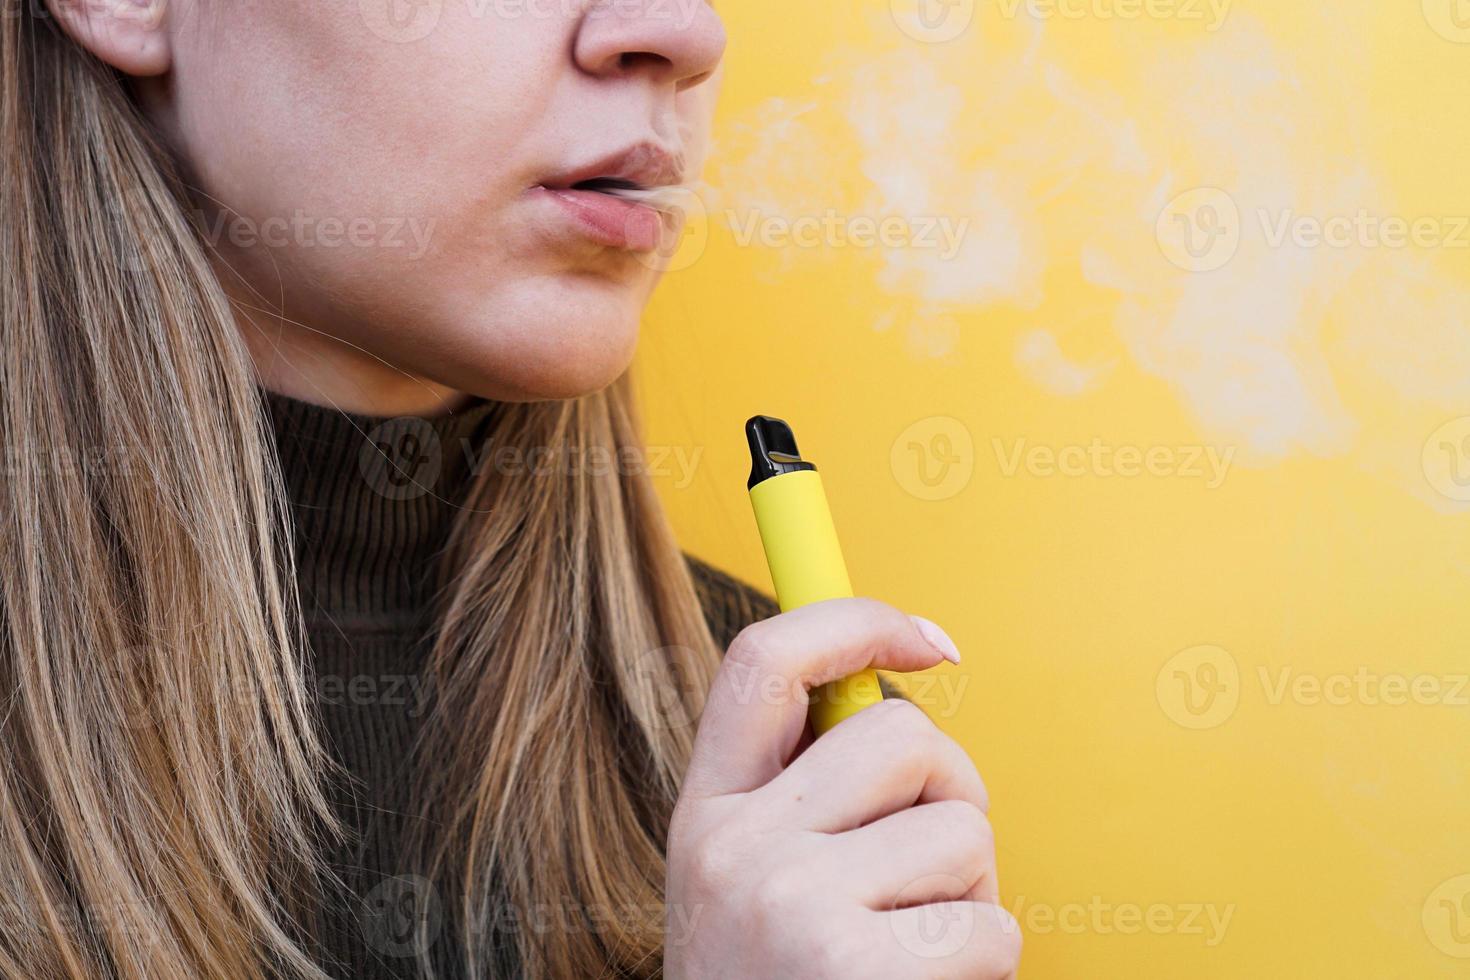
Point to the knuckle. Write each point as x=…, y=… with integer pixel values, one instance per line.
x=713, y=861
x=783, y=888
x=752, y=646
x=965, y=765
x=843, y=955
x=984, y=794
x=978, y=839
x=907, y=719
x=896, y=751
x=1003, y=947
x=958, y=761
x=921, y=743
x=974, y=827
x=685, y=819
x=679, y=822
x=877, y=617
x=1010, y=952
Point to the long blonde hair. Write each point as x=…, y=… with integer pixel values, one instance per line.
x=162, y=811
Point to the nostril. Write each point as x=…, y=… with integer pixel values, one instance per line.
x=649, y=43
x=632, y=60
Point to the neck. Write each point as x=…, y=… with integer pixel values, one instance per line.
x=312, y=366
x=373, y=503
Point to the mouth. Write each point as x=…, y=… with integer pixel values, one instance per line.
x=639, y=167
x=608, y=219
x=607, y=185
x=626, y=201
x=669, y=198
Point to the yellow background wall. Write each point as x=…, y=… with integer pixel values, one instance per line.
x=1222, y=714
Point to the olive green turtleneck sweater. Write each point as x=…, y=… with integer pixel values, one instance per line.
x=367, y=549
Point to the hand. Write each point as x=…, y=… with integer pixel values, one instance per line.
x=868, y=854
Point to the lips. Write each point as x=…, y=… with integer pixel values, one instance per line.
x=609, y=220
x=588, y=196
x=641, y=165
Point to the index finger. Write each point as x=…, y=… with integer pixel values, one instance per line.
x=756, y=709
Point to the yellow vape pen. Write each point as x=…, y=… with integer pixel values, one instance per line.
x=802, y=551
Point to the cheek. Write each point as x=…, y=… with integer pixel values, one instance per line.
x=288, y=106
x=696, y=111
x=372, y=187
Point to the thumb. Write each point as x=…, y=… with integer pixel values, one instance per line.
x=756, y=711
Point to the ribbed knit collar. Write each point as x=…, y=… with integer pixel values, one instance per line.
x=373, y=501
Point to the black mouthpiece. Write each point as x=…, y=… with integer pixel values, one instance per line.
x=772, y=449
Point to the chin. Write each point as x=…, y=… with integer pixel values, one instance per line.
x=573, y=342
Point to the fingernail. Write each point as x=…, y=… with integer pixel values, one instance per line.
x=937, y=638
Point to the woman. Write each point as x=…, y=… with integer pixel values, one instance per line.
x=296, y=690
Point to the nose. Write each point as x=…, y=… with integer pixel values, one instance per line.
x=677, y=41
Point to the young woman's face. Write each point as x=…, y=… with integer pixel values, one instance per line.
x=397, y=176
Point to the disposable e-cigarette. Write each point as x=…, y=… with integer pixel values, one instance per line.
x=802, y=551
